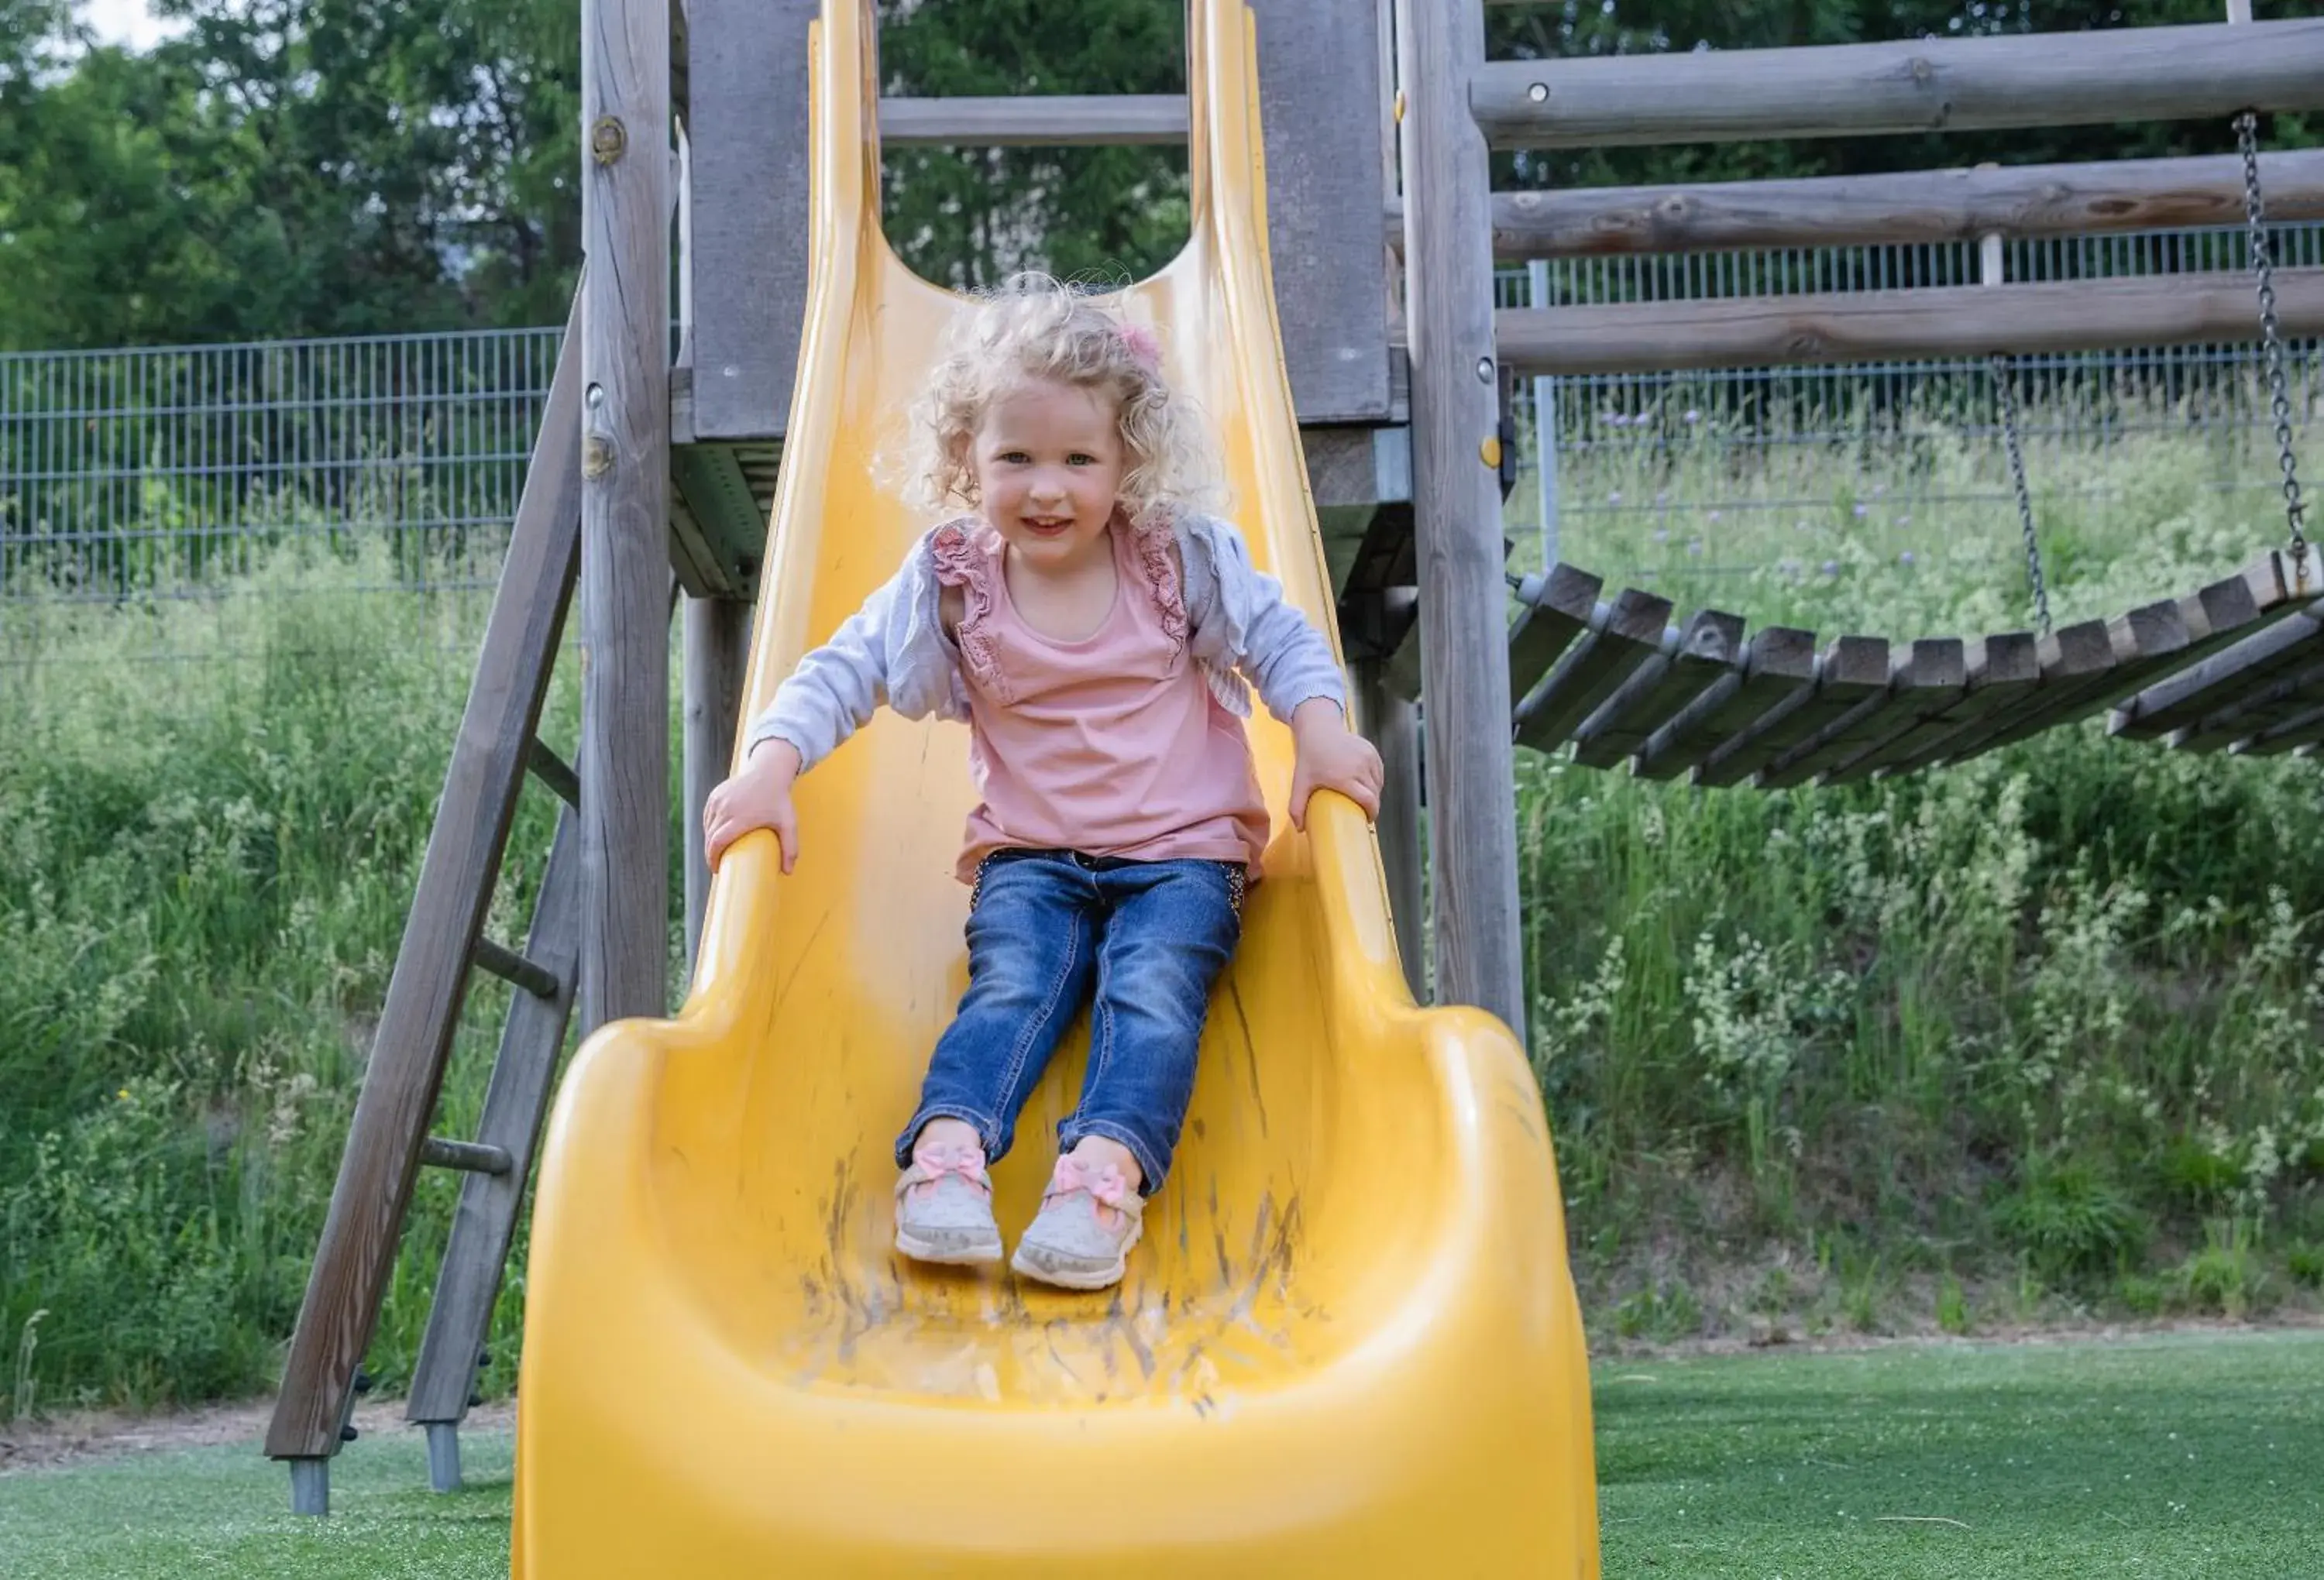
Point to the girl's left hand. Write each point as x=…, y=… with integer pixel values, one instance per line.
x=1332, y=756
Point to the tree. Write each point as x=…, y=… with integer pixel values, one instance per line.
x=289, y=168
x=963, y=216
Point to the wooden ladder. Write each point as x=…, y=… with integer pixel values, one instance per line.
x=388, y=1140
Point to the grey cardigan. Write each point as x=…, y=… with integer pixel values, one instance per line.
x=895, y=650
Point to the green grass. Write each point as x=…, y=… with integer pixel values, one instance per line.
x=2185, y=1456
x=202, y=1513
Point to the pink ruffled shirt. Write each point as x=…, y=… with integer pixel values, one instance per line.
x=1113, y=745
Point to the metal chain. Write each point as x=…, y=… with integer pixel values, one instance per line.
x=2005, y=396
x=2272, y=338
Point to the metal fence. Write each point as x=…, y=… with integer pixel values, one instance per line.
x=132, y=471
x=1869, y=414
x=135, y=472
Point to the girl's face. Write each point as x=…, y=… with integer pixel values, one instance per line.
x=1048, y=466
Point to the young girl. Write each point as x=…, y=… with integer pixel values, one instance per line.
x=1095, y=630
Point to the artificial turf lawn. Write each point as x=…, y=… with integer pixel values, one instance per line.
x=2182, y=1456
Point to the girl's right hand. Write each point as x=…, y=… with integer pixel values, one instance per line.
x=759, y=797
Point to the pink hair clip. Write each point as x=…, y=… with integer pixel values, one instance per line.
x=1142, y=347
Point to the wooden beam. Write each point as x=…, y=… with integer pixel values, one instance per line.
x=625, y=578
x=1034, y=121
x=747, y=234
x=1392, y=725
x=1448, y=298
x=717, y=656
x=1322, y=95
x=2269, y=704
x=2069, y=662
x=1874, y=326
x=1915, y=207
x=2204, y=72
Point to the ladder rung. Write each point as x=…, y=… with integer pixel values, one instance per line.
x=468, y=1156
x=554, y=772
x=511, y=966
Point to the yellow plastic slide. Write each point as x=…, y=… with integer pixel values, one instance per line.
x=1348, y=1344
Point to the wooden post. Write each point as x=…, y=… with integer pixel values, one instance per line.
x=1448, y=302
x=718, y=657
x=625, y=296
x=1392, y=725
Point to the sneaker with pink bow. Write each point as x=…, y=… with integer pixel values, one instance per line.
x=1091, y=1215
x=944, y=1208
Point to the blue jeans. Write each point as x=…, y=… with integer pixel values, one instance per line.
x=1042, y=927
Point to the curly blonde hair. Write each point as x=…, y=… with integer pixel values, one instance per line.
x=1034, y=326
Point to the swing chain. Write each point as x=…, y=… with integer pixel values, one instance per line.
x=2006, y=395
x=2272, y=338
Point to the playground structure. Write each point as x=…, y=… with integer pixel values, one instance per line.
x=717, y=1343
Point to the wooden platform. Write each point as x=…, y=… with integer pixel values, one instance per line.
x=2237, y=664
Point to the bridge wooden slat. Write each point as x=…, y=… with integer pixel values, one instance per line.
x=2159, y=639
x=1851, y=670
x=2000, y=669
x=2071, y=658
x=1556, y=619
x=2196, y=690
x=2222, y=616
x=1593, y=670
x=2299, y=733
x=1930, y=675
x=1704, y=651
x=2144, y=644
x=2266, y=705
x=1781, y=662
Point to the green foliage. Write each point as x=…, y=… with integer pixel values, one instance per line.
x=965, y=216
x=2224, y=1276
x=1953, y=1307
x=204, y=870
x=1663, y=1312
x=2305, y=1263
x=2050, y=1008
x=293, y=168
x=2069, y=1221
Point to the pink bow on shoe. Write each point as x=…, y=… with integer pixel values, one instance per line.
x=932, y=1167
x=1106, y=1185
